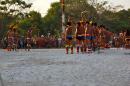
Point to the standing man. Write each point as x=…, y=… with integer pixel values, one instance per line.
x=91, y=36
x=28, y=39
x=69, y=37
x=80, y=36
x=15, y=39
x=10, y=39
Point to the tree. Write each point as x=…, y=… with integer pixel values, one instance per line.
x=34, y=20
x=73, y=9
x=52, y=21
x=13, y=7
x=12, y=11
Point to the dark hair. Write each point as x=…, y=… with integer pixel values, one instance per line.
x=87, y=22
x=127, y=32
x=102, y=26
x=69, y=23
x=78, y=23
x=94, y=24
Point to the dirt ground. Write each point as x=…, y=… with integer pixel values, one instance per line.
x=52, y=67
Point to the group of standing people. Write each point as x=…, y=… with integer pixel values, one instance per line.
x=122, y=39
x=90, y=37
x=13, y=39
x=86, y=36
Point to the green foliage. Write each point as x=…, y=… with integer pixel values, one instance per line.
x=25, y=24
x=75, y=8
x=116, y=21
x=11, y=12
x=13, y=6
x=16, y=11
x=36, y=19
x=52, y=21
x=33, y=20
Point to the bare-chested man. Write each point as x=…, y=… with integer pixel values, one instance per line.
x=28, y=39
x=91, y=36
x=10, y=38
x=80, y=36
x=69, y=37
x=15, y=39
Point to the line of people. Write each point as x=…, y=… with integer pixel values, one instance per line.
x=90, y=37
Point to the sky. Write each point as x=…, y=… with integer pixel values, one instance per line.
x=43, y=5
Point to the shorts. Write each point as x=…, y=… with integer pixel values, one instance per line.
x=90, y=37
x=80, y=37
x=69, y=37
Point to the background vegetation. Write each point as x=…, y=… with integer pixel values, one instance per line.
x=18, y=13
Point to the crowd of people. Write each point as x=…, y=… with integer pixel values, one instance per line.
x=86, y=36
x=13, y=41
x=91, y=37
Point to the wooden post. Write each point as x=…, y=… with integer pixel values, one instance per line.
x=63, y=14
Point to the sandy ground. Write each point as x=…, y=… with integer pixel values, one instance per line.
x=52, y=67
